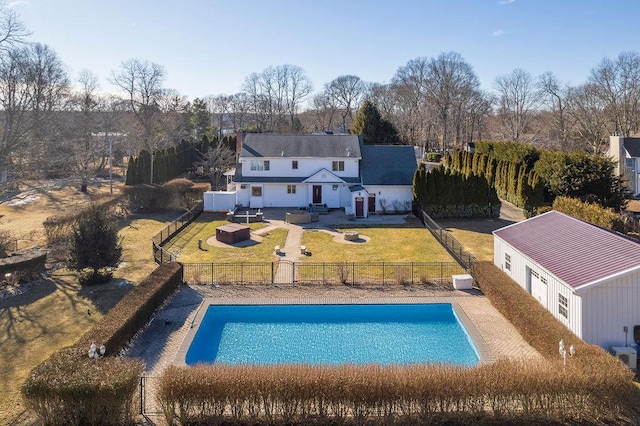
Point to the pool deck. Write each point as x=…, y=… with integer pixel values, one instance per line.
x=166, y=339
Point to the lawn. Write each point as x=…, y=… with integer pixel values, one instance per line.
x=385, y=244
x=204, y=228
x=475, y=235
x=55, y=312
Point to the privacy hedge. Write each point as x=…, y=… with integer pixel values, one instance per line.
x=510, y=392
x=134, y=310
x=70, y=388
x=595, y=388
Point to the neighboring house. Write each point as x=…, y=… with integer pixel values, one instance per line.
x=586, y=276
x=338, y=171
x=626, y=153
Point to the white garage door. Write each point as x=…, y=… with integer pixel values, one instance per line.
x=538, y=288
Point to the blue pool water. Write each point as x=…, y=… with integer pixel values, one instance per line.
x=331, y=334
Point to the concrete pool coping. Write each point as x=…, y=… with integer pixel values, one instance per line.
x=484, y=352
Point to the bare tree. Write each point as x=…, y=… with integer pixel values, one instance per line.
x=586, y=109
x=141, y=81
x=12, y=31
x=217, y=160
x=298, y=87
x=617, y=83
x=220, y=106
x=33, y=86
x=348, y=92
x=324, y=109
x=554, y=95
x=239, y=106
x=276, y=92
x=515, y=103
x=451, y=83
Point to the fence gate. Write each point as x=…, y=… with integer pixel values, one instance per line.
x=284, y=273
x=148, y=404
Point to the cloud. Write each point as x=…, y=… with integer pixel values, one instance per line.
x=16, y=3
x=498, y=33
x=506, y=2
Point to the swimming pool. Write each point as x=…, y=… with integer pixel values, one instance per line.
x=332, y=334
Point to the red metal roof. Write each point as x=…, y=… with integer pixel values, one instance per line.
x=576, y=252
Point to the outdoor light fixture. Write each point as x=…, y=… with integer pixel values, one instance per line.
x=95, y=352
x=563, y=353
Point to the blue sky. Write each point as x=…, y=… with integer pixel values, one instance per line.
x=208, y=47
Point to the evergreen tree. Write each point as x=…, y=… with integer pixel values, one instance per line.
x=132, y=172
x=373, y=128
x=96, y=246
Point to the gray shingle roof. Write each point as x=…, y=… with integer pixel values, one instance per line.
x=301, y=146
x=387, y=164
x=576, y=252
x=632, y=145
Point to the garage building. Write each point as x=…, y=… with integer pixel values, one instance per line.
x=586, y=276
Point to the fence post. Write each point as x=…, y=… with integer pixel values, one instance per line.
x=273, y=277
x=353, y=273
x=141, y=394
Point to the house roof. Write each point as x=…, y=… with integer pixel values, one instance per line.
x=577, y=252
x=387, y=164
x=297, y=146
x=632, y=146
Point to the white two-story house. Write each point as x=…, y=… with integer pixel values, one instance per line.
x=336, y=171
x=626, y=152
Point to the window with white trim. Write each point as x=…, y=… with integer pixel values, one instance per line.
x=294, y=164
x=259, y=165
x=507, y=261
x=563, y=306
x=337, y=166
x=256, y=191
x=291, y=189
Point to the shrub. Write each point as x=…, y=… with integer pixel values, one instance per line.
x=433, y=157
x=96, y=246
x=133, y=312
x=592, y=213
x=71, y=388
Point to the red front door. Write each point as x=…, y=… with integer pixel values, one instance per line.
x=317, y=194
x=359, y=206
x=372, y=203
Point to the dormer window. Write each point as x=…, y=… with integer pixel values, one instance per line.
x=294, y=164
x=259, y=165
x=337, y=166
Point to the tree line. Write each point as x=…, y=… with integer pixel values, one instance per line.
x=54, y=124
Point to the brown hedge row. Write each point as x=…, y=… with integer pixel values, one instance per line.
x=595, y=387
x=70, y=388
x=507, y=391
x=134, y=310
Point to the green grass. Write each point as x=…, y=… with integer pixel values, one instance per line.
x=54, y=314
x=385, y=244
x=475, y=235
x=203, y=229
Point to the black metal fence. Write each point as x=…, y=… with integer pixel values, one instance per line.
x=158, y=240
x=301, y=273
x=463, y=257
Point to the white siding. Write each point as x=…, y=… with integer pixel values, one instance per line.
x=392, y=196
x=608, y=307
x=596, y=314
x=520, y=267
x=282, y=167
x=276, y=195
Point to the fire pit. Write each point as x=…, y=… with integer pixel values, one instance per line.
x=351, y=236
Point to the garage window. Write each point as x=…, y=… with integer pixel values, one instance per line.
x=563, y=306
x=291, y=189
x=507, y=261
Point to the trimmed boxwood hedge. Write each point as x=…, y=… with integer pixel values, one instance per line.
x=71, y=388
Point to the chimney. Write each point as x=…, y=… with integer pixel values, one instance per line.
x=239, y=136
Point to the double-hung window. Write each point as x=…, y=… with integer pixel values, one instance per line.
x=259, y=165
